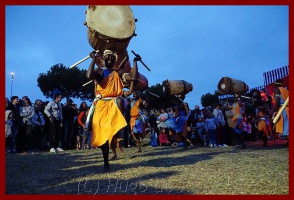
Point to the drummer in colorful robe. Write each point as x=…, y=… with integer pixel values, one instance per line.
x=281, y=94
x=137, y=121
x=178, y=125
x=108, y=114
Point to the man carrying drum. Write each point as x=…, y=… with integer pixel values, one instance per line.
x=106, y=118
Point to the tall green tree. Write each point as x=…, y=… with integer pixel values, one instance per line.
x=162, y=101
x=209, y=99
x=69, y=81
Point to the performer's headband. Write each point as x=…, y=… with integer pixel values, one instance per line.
x=109, y=52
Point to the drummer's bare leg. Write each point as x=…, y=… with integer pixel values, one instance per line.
x=113, y=148
x=105, y=152
x=121, y=105
x=119, y=148
x=137, y=136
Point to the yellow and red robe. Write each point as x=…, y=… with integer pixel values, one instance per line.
x=107, y=118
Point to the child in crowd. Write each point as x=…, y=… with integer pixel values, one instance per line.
x=202, y=133
x=248, y=130
x=261, y=127
x=190, y=136
x=153, y=138
x=244, y=128
x=210, y=125
x=163, y=140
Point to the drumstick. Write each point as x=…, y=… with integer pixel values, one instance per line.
x=81, y=60
x=141, y=60
x=125, y=58
x=154, y=94
x=87, y=83
x=281, y=110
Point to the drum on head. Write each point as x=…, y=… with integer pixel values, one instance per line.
x=232, y=86
x=110, y=27
x=176, y=87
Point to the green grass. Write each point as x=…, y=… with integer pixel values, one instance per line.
x=158, y=170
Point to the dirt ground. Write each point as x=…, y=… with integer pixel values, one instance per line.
x=157, y=170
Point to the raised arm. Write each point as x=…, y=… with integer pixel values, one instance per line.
x=90, y=74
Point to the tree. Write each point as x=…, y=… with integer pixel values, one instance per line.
x=69, y=81
x=209, y=99
x=159, y=102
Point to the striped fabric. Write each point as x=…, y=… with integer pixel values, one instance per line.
x=224, y=96
x=273, y=75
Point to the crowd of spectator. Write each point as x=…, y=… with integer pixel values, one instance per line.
x=52, y=126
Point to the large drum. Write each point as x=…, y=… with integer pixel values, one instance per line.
x=176, y=87
x=139, y=85
x=232, y=86
x=110, y=27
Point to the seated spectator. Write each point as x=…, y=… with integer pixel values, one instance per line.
x=191, y=137
x=163, y=140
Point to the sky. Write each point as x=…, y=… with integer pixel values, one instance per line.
x=198, y=44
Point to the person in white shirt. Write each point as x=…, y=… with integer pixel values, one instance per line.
x=54, y=112
x=220, y=129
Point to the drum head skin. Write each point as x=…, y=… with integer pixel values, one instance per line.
x=112, y=21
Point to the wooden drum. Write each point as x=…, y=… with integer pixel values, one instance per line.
x=110, y=27
x=232, y=86
x=176, y=87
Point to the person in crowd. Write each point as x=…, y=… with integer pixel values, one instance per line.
x=26, y=112
x=190, y=135
x=53, y=111
x=68, y=115
x=84, y=137
x=196, y=116
x=210, y=125
x=178, y=124
x=171, y=112
x=198, y=120
x=38, y=123
x=163, y=140
x=45, y=137
x=8, y=129
x=83, y=107
x=269, y=122
x=6, y=103
x=244, y=127
x=281, y=94
x=235, y=121
x=248, y=130
x=261, y=126
x=162, y=118
x=14, y=107
x=38, y=102
x=128, y=137
x=220, y=128
x=241, y=131
x=153, y=137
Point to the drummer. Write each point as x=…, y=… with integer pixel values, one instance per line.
x=108, y=115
